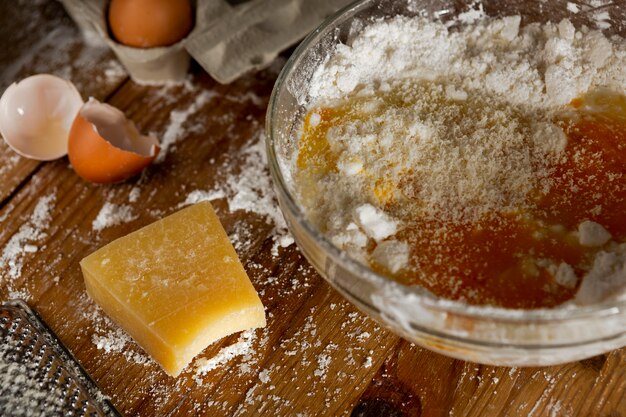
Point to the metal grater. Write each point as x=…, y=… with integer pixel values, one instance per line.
x=38, y=376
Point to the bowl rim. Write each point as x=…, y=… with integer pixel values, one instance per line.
x=568, y=312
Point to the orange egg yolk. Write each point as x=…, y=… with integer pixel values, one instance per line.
x=493, y=261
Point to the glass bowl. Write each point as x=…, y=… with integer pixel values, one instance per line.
x=482, y=334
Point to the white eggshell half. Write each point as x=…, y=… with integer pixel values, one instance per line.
x=36, y=115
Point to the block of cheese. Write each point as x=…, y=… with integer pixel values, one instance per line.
x=175, y=286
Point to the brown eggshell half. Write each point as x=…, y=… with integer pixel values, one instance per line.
x=105, y=147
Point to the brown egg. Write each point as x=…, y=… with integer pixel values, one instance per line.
x=150, y=23
x=105, y=147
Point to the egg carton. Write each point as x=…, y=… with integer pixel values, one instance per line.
x=38, y=376
x=145, y=65
x=228, y=40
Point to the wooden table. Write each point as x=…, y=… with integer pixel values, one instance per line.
x=318, y=355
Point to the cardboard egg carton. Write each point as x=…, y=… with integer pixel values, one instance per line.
x=145, y=65
x=227, y=40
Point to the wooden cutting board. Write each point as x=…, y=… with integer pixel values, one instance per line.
x=318, y=354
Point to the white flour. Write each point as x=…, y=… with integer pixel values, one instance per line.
x=242, y=347
x=250, y=190
x=175, y=131
x=109, y=338
x=111, y=215
x=26, y=239
x=538, y=66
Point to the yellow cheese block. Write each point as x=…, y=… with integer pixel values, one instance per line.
x=175, y=286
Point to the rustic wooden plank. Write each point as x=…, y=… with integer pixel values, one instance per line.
x=608, y=395
x=325, y=359
x=414, y=381
x=14, y=169
x=38, y=37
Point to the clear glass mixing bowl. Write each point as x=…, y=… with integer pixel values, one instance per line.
x=477, y=333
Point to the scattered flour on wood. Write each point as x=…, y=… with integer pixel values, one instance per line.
x=113, y=70
x=177, y=127
x=9, y=163
x=197, y=196
x=323, y=361
x=113, y=341
x=242, y=347
x=113, y=214
x=264, y=376
x=250, y=189
x=368, y=362
x=27, y=237
x=310, y=355
x=110, y=338
x=134, y=194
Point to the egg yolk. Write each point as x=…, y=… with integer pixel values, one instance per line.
x=495, y=260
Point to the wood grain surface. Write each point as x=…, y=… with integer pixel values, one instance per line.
x=318, y=354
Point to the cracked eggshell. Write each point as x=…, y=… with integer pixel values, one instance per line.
x=105, y=147
x=36, y=115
